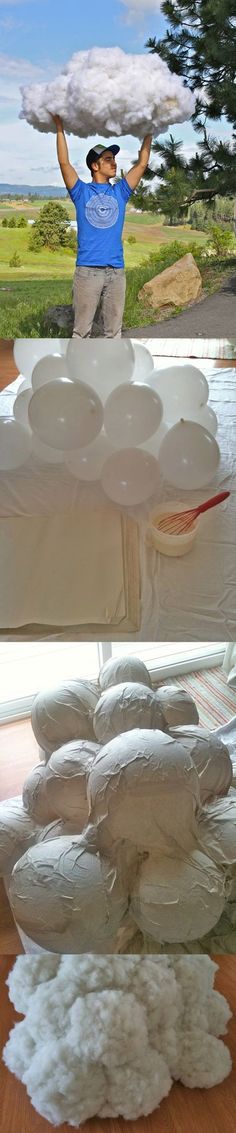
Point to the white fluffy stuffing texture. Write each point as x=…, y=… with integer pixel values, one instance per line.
x=105, y=91
x=107, y=1035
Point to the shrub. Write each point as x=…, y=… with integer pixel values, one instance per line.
x=131, y=239
x=15, y=261
x=12, y=222
x=22, y=222
x=222, y=239
x=5, y=222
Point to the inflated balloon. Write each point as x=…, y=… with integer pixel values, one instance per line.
x=66, y=776
x=15, y=444
x=143, y=362
x=48, y=369
x=118, y=669
x=101, y=362
x=64, y=713
x=180, y=388
x=144, y=788
x=132, y=413
x=210, y=757
x=178, y=706
x=217, y=831
x=205, y=416
x=87, y=463
x=20, y=407
x=129, y=476
x=125, y=706
x=27, y=352
x=35, y=801
x=178, y=899
x=65, y=414
x=17, y=832
x=189, y=456
x=60, y=894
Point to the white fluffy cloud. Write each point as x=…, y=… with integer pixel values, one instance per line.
x=157, y=1020
x=105, y=91
x=136, y=9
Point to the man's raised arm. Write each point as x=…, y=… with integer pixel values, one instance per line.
x=138, y=170
x=68, y=172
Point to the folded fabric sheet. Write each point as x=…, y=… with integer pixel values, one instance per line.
x=69, y=569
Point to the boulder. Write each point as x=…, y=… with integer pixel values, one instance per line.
x=177, y=285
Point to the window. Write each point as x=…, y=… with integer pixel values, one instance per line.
x=25, y=668
x=171, y=658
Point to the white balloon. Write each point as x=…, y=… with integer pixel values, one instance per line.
x=103, y=363
x=132, y=413
x=45, y=454
x=20, y=407
x=48, y=369
x=27, y=352
x=180, y=388
x=87, y=463
x=65, y=415
x=129, y=476
x=205, y=416
x=15, y=444
x=189, y=456
x=143, y=362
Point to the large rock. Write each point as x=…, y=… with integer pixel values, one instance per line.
x=178, y=284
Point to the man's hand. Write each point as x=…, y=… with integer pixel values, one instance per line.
x=57, y=120
x=138, y=170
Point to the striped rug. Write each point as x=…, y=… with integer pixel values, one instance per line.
x=192, y=347
x=216, y=702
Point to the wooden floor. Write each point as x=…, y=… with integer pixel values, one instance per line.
x=8, y=370
x=184, y=1111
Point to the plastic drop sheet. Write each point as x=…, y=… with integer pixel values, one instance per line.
x=191, y=597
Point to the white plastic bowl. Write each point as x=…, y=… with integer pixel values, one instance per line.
x=170, y=544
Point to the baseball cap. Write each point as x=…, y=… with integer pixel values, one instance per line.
x=97, y=152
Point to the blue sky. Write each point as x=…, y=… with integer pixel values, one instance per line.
x=37, y=39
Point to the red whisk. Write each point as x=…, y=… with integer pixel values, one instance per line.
x=180, y=522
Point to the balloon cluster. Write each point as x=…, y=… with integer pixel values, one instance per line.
x=129, y=817
x=101, y=409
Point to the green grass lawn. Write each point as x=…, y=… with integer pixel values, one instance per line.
x=45, y=278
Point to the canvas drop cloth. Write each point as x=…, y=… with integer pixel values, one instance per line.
x=191, y=597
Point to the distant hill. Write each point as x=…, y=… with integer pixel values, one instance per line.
x=32, y=190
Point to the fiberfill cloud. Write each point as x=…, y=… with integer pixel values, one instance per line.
x=107, y=92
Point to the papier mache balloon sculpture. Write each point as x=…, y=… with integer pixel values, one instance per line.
x=101, y=409
x=126, y=825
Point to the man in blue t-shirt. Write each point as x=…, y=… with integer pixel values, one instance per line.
x=100, y=212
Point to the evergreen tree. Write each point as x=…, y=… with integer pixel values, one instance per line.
x=200, y=45
x=50, y=228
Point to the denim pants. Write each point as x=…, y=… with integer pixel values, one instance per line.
x=91, y=286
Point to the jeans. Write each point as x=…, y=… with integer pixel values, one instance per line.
x=94, y=285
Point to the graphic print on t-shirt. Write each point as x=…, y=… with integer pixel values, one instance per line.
x=102, y=210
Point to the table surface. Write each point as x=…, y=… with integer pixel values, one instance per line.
x=191, y=597
x=184, y=1111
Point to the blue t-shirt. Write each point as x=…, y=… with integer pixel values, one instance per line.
x=100, y=214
